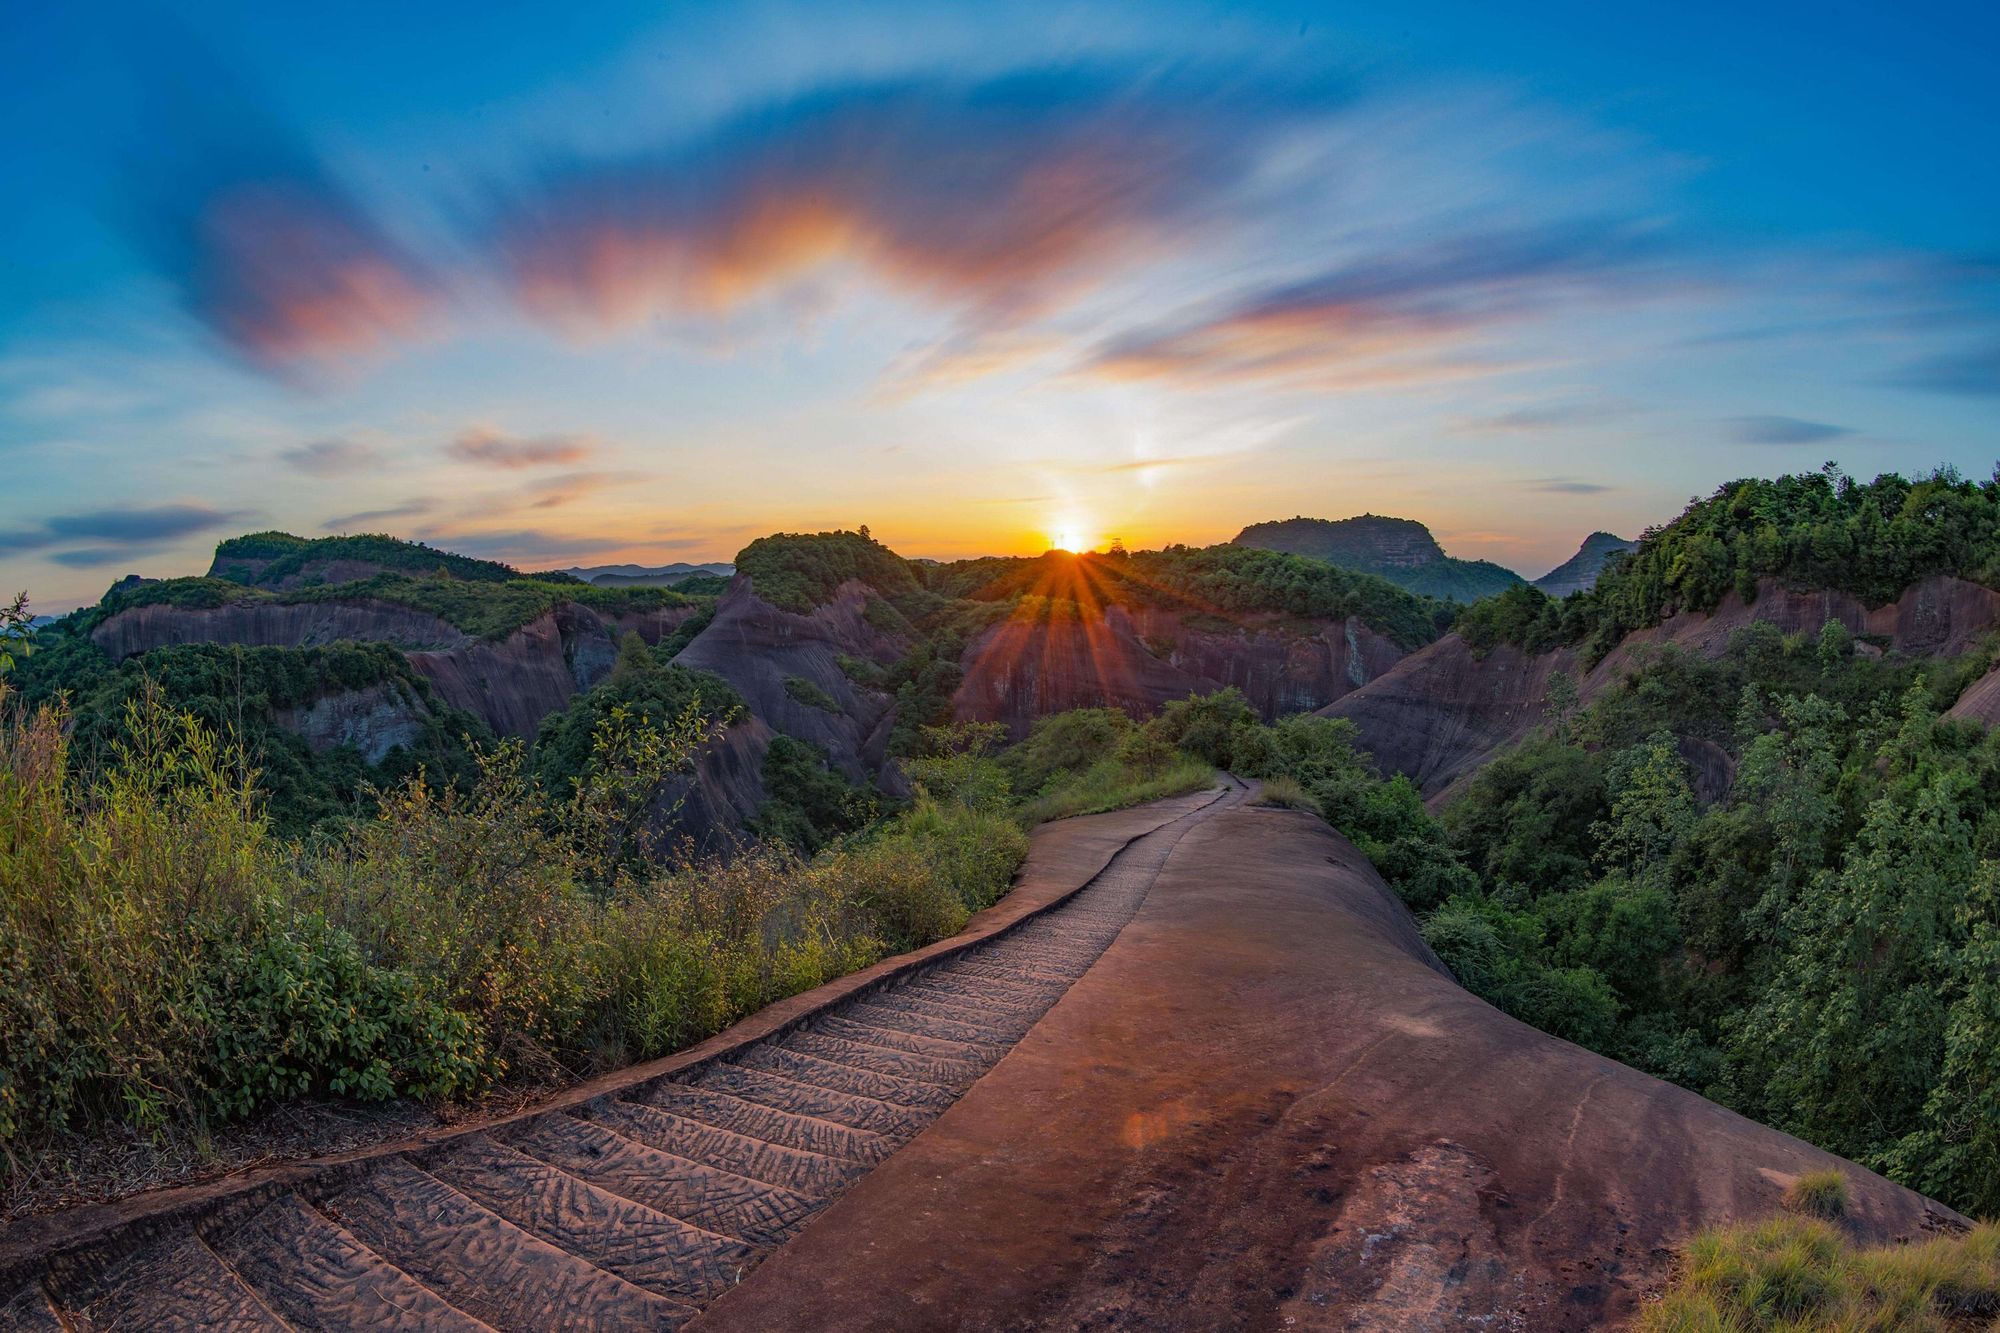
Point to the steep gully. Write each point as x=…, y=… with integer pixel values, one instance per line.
x=1198, y=1071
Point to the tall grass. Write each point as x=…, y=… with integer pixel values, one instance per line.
x=167, y=963
x=1802, y=1275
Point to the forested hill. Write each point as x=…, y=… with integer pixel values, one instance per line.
x=1400, y=550
x=797, y=571
x=1818, y=530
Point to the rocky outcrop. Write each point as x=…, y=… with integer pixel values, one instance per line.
x=725, y=790
x=268, y=624
x=512, y=683
x=1446, y=709
x=374, y=720
x=1137, y=659
x=787, y=668
x=1981, y=701
x=1579, y=572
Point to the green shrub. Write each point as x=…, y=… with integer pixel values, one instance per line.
x=804, y=691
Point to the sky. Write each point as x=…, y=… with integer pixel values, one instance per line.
x=592, y=283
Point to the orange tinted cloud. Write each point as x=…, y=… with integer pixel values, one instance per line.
x=994, y=196
x=484, y=444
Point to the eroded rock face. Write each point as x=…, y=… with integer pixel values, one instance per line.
x=1021, y=669
x=141, y=629
x=374, y=720
x=782, y=662
x=1446, y=709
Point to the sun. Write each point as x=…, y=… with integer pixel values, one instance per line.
x=1070, y=533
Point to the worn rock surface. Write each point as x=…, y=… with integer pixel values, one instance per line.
x=1137, y=659
x=1444, y=710
x=1267, y=1106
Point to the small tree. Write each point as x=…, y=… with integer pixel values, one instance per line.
x=16, y=638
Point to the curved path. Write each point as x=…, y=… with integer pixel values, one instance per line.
x=639, y=1202
x=1197, y=1071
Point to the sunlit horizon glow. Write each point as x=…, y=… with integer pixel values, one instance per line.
x=608, y=284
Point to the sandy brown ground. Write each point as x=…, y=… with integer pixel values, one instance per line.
x=1267, y=1107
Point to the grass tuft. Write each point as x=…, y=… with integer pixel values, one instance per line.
x=1821, y=1194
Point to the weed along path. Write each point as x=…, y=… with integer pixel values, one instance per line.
x=636, y=1200
x=1197, y=1071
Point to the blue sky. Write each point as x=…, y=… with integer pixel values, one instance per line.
x=584, y=283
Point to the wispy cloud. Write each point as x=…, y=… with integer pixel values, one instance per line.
x=330, y=458
x=1976, y=373
x=1567, y=486
x=1547, y=417
x=986, y=196
x=1391, y=315
x=276, y=258
x=414, y=508
x=484, y=444
x=1784, y=430
x=100, y=536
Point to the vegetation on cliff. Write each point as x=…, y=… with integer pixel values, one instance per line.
x=1813, y=530
x=1400, y=550
x=1773, y=878
x=265, y=559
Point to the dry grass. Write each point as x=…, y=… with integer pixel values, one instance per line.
x=1803, y=1275
x=1821, y=1194
x=1288, y=793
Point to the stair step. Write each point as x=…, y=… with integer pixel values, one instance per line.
x=644, y=1246
x=487, y=1266
x=804, y=1128
x=715, y=1200
x=974, y=999
x=29, y=1310
x=998, y=1029
x=802, y=1172
x=844, y=1078
x=946, y=1072
x=980, y=967
x=890, y=1123
x=316, y=1275
x=172, y=1284
x=926, y=1025
x=983, y=984
x=896, y=1037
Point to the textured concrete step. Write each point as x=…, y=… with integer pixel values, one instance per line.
x=646, y=1247
x=926, y=1025
x=979, y=966
x=487, y=1266
x=941, y=1070
x=702, y=1195
x=890, y=1122
x=892, y=1088
x=852, y=1026
x=982, y=997
x=316, y=1275
x=998, y=1029
x=802, y=1172
x=175, y=1283
x=803, y=1128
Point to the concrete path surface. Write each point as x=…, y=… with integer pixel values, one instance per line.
x=1197, y=1071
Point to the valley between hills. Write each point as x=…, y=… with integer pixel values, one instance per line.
x=1312, y=930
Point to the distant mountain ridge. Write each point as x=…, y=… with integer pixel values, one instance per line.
x=648, y=576
x=1579, y=572
x=1400, y=550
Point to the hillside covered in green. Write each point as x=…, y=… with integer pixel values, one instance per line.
x=1811, y=530
x=1400, y=550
